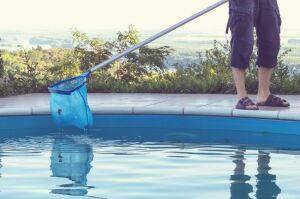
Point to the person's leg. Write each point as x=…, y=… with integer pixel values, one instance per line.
x=241, y=24
x=239, y=76
x=268, y=42
x=264, y=78
x=264, y=93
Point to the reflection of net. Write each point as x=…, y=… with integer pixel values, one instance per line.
x=68, y=103
x=71, y=160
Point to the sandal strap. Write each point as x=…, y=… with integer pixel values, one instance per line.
x=245, y=104
x=276, y=100
x=246, y=101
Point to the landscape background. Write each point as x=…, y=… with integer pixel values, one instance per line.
x=186, y=45
x=38, y=46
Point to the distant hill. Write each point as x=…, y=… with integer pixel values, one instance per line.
x=186, y=44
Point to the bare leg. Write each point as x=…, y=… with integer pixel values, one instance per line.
x=264, y=78
x=239, y=76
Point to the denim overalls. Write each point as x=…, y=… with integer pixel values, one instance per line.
x=244, y=15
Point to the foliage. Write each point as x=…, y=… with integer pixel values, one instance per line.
x=144, y=70
x=90, y=51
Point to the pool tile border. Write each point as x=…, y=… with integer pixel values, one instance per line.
x=164, y=110
x=161, y=110
x=11, y=111
x=40, y=110
x=256, y=114
x=289, y=115
x=112, y=110
x=209, y=111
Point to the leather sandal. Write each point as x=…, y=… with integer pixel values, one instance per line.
x=274, y=101
x=245, y=103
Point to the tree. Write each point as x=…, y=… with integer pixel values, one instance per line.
x=26, y=69
x=136, y=65
x=90, y=51
x=126, y=39
x=132, y=67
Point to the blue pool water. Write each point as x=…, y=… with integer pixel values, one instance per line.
x=140, y=157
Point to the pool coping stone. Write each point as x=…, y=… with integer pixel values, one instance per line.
x=152, y=104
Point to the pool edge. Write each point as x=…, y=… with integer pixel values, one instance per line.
x=163, y=110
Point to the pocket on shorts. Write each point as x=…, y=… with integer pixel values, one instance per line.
x=240, y=11
x=242, y=6
x=240, y=23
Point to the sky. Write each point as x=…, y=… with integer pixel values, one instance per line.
x=103, y=15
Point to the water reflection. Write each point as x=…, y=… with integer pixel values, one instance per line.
x=266, y=182
x=266, y=187
x=240, y=188
x=0, y=166
x=71, y=160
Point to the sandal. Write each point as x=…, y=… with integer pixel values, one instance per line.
x=244, y=104
x=274, y=101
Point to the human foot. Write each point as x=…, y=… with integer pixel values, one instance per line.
x=246, y=104
x=274, y=101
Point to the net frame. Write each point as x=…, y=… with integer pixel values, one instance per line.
x=68, y=103
x=59, y=87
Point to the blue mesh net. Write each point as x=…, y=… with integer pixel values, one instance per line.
x=68, y=103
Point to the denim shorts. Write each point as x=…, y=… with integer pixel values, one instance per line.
x=244, y=16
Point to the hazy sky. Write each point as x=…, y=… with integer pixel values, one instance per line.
x=118, y=14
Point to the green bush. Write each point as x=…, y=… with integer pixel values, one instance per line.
x=143, y=71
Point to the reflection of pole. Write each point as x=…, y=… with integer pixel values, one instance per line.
x=239, y=188
x=71, y=160
x=266, y=183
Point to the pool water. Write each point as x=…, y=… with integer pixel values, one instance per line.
x=103, y=163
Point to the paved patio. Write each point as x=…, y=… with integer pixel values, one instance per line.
x=179, y=104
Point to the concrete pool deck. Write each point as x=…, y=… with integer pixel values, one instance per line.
x=167, y=104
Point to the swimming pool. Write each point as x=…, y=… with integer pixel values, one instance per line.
x=150, y=156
